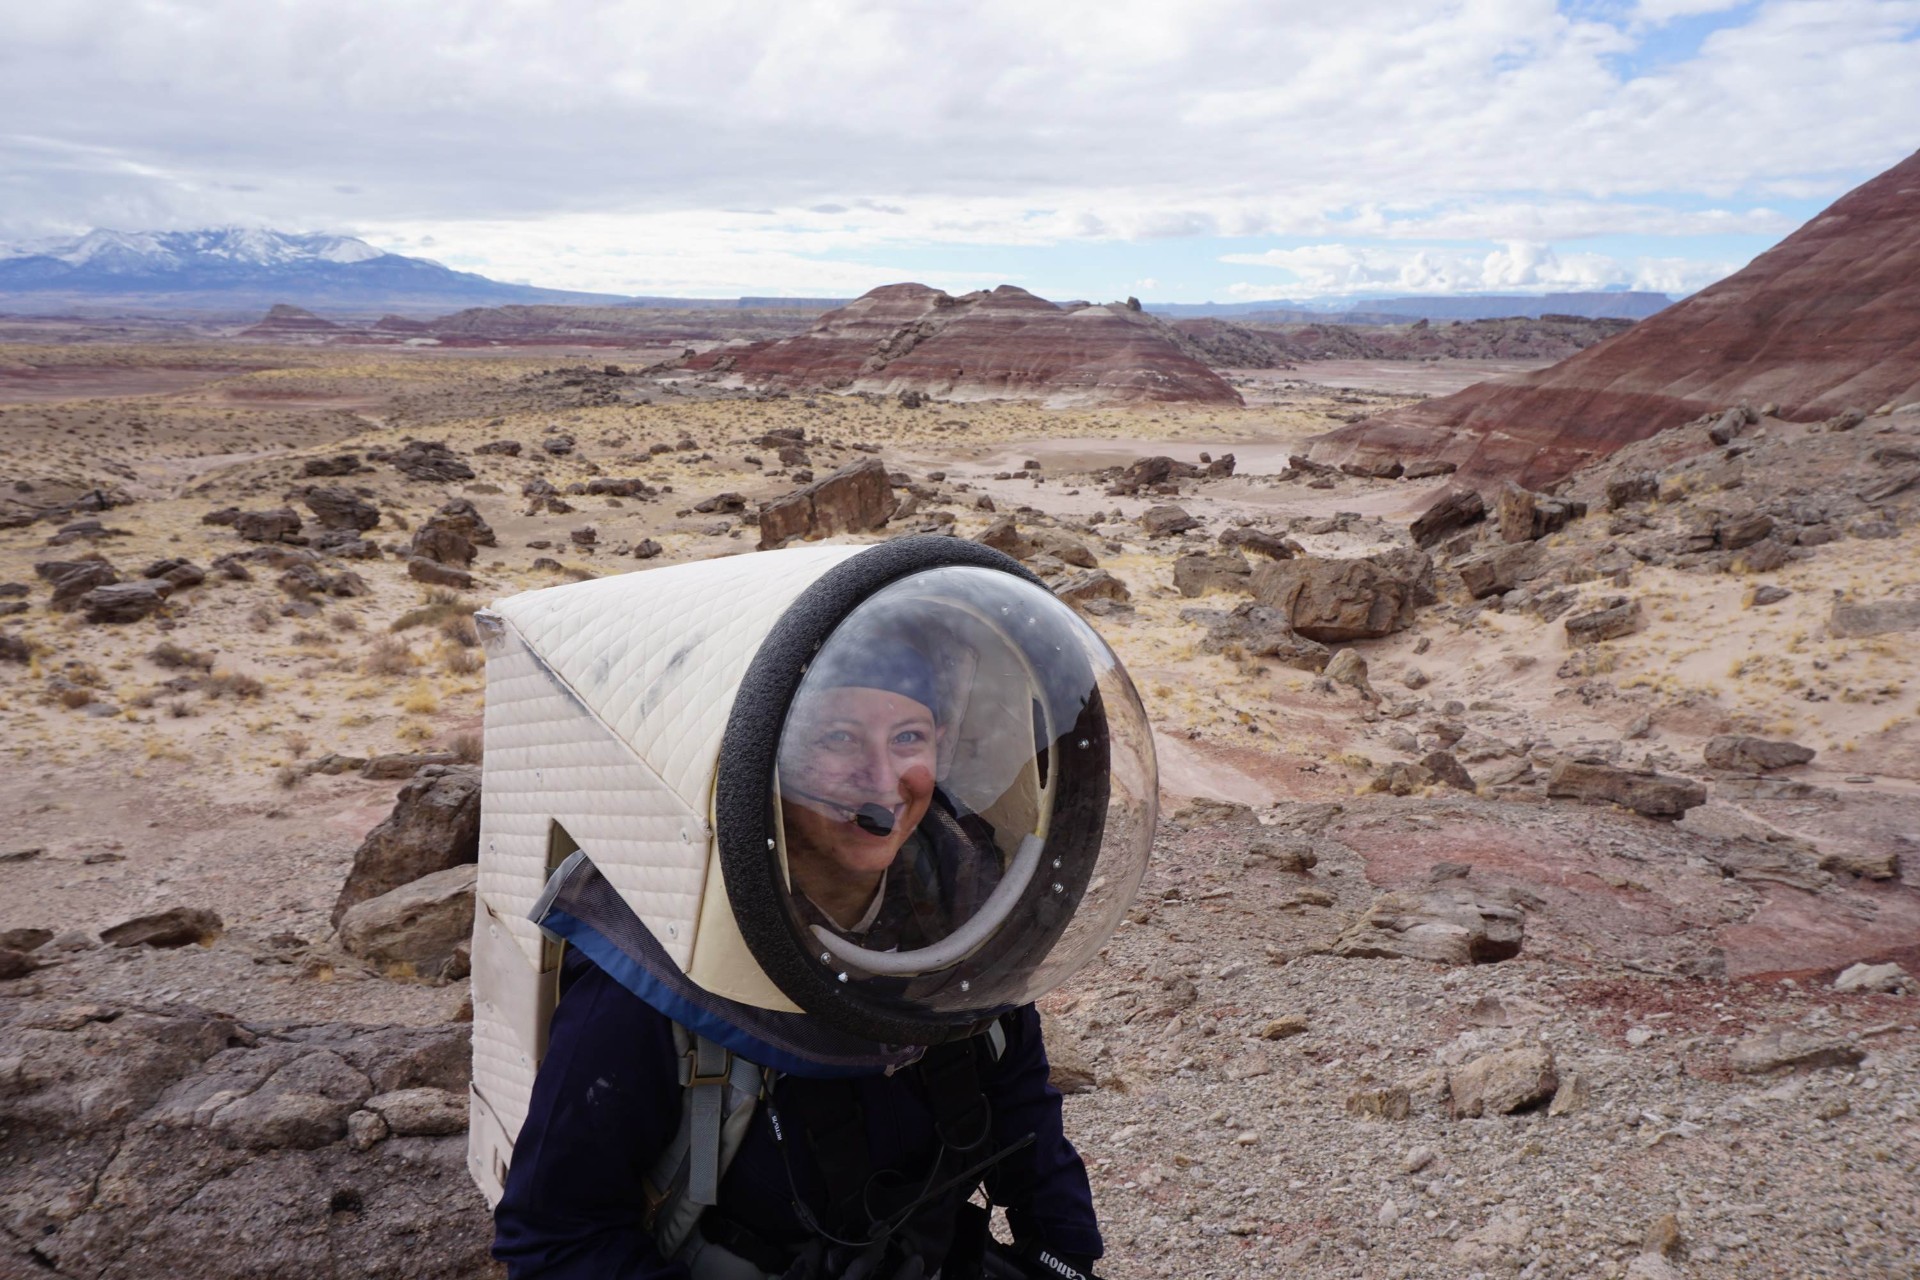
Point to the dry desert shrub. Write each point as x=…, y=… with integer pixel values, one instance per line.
x=469, y=747
x=286, y=777
x=344, y=621
x=421, y=700
x=231, y=684
x=441, y=606
x=389, y=656
x=263, y=617
x=176, y=657
x=461, y=631
x=310, y=639
x=461, y=662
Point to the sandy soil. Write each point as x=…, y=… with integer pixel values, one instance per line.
x=139, y=796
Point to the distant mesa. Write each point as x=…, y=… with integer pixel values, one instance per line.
x=1829, y=319
x=1003, y=343
x=285, y=323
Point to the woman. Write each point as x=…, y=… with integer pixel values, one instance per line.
x=835, y=1177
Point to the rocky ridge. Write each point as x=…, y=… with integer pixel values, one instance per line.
x=1822, y=323
x=1001, y=343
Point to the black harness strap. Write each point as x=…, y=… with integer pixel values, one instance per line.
x=837, y=1135
x=962, y=1117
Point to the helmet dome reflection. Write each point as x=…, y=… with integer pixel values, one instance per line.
x=962, y=800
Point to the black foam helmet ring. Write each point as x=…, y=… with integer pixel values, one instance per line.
x=746, y=820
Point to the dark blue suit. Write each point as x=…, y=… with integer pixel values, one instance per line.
x=608, y=1100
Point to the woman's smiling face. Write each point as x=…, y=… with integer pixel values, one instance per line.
x=850, y=747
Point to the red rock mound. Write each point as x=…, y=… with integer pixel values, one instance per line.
x=987, y=345
x=1829, y=319
x=283, y=322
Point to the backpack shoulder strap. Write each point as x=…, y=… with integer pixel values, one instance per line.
x=718, y=1092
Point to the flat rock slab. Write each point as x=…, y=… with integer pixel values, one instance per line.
x=1656, y=795
x=1784, y=1050
x=418, y=924
x=174, y=927
x=1444, y=927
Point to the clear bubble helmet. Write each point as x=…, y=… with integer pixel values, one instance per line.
x=951, y=815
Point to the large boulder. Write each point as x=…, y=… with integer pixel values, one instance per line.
x=430, y=460
x=73, y=579
x=1145, y=473
x=1259, y=632
x=1498, y=569
x=1618, y=616
x=1452, y=511
x=1443, y=926
x=1264, y=542
x=1334, y=600
x=125, y=601
x=451, y=535
x=1738, y=753
x=1166, y=520
x=282, y=524
x=1875, y=618
x=435, y=824
x=1526, y=516
x=435, y=574
x=418, y=925
x=1197, y=574
x=1654, y=794
x=854, y=499
x=338, y=508
x=1090, y=585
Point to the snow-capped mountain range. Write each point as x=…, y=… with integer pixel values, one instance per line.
x=241, y=268
x=148, y=252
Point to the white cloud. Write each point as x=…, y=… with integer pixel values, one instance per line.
x=534, y=137
x=1516, y=267
x=1660, y=12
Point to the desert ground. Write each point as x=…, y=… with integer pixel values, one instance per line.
x=1660, y=1078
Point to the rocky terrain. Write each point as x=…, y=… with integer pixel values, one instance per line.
x=1537, y=890
x=999, y=344
x=538, y=326
x=1825, y=322
x=1226, y=344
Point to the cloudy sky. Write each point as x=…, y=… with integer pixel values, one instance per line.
x=1180, y=150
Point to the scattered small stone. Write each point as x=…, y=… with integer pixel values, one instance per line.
x=1574, y=1093
x=1889, y=978
x=1393, y=1102
x=1503, y=1082
x=365, y=1129
x=1292, y=1024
